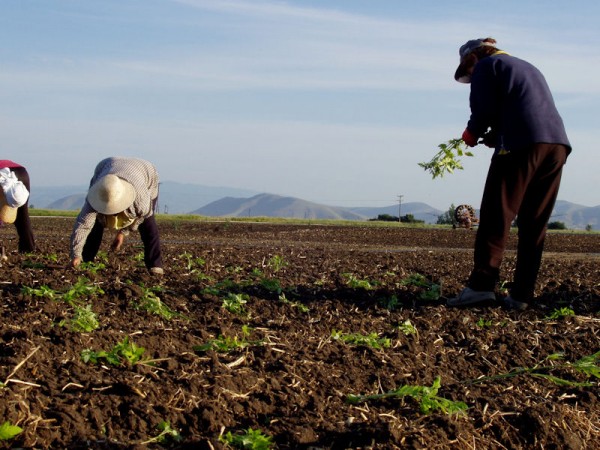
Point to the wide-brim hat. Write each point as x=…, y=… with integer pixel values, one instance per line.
x=8, y=214
x=111, y=195
x=461, y=75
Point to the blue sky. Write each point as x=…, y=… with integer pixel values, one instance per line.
x=330, y=101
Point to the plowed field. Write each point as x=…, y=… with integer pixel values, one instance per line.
x=316, y=336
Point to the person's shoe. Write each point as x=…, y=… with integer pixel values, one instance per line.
x=511, y=303
x=157, y=271
x=470, y=296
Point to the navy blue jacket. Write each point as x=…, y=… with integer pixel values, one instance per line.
x=511, y=97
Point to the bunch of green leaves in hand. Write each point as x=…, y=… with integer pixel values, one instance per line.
x=447, y=159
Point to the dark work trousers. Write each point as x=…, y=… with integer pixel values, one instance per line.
x=523, y=185
x=148, y=232
x=22, y=221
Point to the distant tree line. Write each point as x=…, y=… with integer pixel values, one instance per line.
x=408, y=218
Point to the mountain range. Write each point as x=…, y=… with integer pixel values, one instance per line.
x=183, y=198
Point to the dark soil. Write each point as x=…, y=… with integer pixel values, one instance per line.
x=304, y=285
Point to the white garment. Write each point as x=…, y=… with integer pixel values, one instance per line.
x=14, y=190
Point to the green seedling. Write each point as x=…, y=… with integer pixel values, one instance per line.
x=225, y=344
x=560, y=313
x=234, y=303
x=226, y=285
x=271, y=285
x=9, y=431
x=139, y=258
x=72, y=296
x=588, y=366
x=407, y=328
x=249, y=439
x=84, y=320
x=429, y=289
x=191, y=263
x=427, y=397
x=125, y=352
x=82, y=288
x=301, y=307
x=483, y=323
x=42, y=291
x=276, y=263
x=150, y=302
x=448, y=159
x=356, y=283
x=390, y=303
x=28, y=264
x=92, y=267
x=370, y=340
x=167, y=434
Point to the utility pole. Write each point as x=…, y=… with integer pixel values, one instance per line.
x=400, y=208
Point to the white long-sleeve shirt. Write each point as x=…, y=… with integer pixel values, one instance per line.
x=141, y=174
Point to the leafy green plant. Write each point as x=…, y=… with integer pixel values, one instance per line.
x=483, y=323
x=82, y=288
x=271, y=285
x=407, y=327
x=84, y=320
x=356, y=283
x=192, y=263
x=124, y=352
x=9, y=431
x=390, y=303
x=276, y=263
x=447, y=159
x=234, y=303
x=72, y=296
x=370, y=340
x=249, y=439
x=42, y=291
x=559, y=313
x=167, y=434
x=588, y=366
x=92, y=267
x=300, y=306
x=224, y=344
x=150, y=302
x=427, y=397
x=429, y=289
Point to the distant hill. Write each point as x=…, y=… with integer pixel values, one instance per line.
x=182, y=198
x=269, y=205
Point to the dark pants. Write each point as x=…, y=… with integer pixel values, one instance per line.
x=22, y=221
x=524, y=185
x=148, y=232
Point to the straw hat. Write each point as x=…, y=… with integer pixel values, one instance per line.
x=111, y=195
x=8, y=214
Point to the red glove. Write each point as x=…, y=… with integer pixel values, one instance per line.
x=469, y=138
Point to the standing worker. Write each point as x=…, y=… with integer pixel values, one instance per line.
x=512, y=109
x=14, y=202
x=122, y=196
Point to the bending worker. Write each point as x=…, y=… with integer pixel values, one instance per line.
x=122, y=196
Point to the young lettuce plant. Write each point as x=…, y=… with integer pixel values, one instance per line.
x=370, y=340
x=9, y=431
x=251, y=439
x=427, y=397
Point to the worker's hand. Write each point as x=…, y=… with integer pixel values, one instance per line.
x=118, y=242
x=75, y=262
x=469, y=138
x=489, y=139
